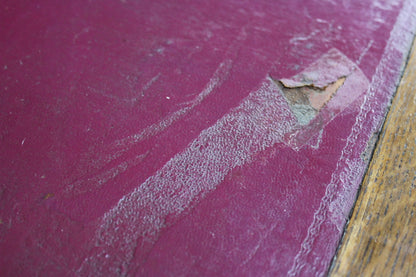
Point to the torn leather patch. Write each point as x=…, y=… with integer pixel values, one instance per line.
x=306, y=101
x=319, y=92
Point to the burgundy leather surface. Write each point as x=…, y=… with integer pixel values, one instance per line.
x=152, y=138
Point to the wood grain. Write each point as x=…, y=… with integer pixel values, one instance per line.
x=380, y=239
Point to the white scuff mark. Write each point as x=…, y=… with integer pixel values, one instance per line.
x=364, y=52
x=216, y=80
x=167, y=97
x=125, y=99
x=297, y=38
x=20, y=62
x=5, y=67
x=103, y=93
x=385, y=4
x=100, y=179
x=149, y=84
x=23, y=141
x=260, y=121
x=325, y=34
x=259, y=243
x=318, y=140
x=83, y=31
x=333, y=2
x=262, y=29
x=346, y=176
x=319, y=20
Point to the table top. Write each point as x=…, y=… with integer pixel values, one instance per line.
x=224, y=138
